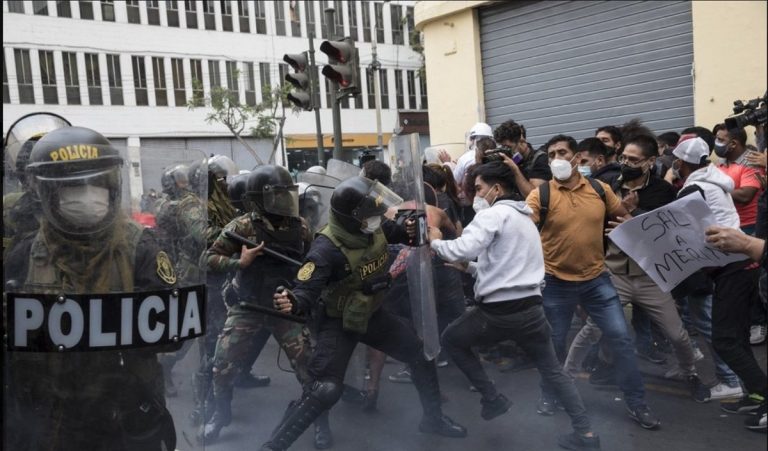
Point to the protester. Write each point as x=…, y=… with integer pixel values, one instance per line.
x=533, y=169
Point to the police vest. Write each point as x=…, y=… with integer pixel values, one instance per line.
x=345, y=298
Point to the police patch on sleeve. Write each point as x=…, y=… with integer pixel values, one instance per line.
x=165, y=268
x=305, y=272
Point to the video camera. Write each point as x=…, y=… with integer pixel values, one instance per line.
x=754, y=112
x=496, y=155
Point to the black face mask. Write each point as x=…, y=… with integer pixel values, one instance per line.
x=629, y=173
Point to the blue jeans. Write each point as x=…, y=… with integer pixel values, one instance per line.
x=599, y=298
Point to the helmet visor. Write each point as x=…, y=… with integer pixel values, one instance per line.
x=281, y=200
x=377, y=202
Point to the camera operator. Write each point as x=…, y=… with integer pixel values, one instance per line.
x=508, y=276
x=531, y=169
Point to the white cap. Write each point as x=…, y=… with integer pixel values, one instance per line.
x=480, y=129
x=692, y=150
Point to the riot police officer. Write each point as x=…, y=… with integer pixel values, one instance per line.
x=272, y=220
x=346, y=269
x=106, y=400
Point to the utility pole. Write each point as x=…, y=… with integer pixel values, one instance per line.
x=315, y=83
x=336, y=108
x=375, y=66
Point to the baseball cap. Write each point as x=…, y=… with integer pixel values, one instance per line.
x=480, y=129
x=692, y=150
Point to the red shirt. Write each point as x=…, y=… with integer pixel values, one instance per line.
x=744, y=176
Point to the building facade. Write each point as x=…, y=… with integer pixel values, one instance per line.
x=129, y=68
x=571, y=67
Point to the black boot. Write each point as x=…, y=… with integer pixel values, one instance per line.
x=296, y=420
x=222, y=416
x=433, y=421
x=323, y=435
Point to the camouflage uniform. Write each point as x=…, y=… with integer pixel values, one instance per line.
x=182, y=229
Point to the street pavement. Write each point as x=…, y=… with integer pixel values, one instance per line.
x=686, y=425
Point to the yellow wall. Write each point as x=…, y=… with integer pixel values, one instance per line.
x=729, y=53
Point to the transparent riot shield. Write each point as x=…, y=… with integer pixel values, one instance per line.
x=408, y=183
x=98, y=308
x=316, y=189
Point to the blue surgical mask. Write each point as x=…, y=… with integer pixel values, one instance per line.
x=586, y=171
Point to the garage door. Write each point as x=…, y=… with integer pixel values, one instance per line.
x=571, y=67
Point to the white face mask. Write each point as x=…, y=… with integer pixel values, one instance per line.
x=372, y=224
x=481, y=203
x=561, y=169
x=84, y=205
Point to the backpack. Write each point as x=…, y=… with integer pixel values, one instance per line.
x=544, y=199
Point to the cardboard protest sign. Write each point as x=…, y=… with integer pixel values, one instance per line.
x=668, y=243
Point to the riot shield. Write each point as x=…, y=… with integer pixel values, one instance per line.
x=95, y=303
x=316, y=189
x=408, y=183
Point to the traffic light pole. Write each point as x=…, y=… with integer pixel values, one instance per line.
x=335, y=107
x=376, y=91
x=313, y=74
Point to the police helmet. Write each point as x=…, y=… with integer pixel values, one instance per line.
x=236, y=189
x=358, y=198
x=22, y=136
x=175, y=180
x=222, y=166
x=75, y=172
x=270, y=189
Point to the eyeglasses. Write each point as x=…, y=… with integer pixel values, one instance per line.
x=629, y=161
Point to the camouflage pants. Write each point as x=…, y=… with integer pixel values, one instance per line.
x=235, y=346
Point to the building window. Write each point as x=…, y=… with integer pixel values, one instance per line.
x=172, y=13
x=140, y=81
x=260, y=10
x=71, y=79
x=63, y=9
x=384, y=89
x=366, y=21
x=232, y=74
x=266, y=83
x=179, y=88
x=378, y=9
x=423, y=87
x=250, y=85
x=108, y=10
x=190, y=6
x=396, y=12
x=323, y=24
x=352, y=19
x=39, y=8
x=295, y=8
x=86, y=9
x=158, y=72
x=213, y=73
x=242, y=14
x=196, y=67
x=411, y=89
x=411, y=26
x=399, y=94
x=226, y=15
x=132, y=7
x=6, y=88
x=16, y=7
x=279, y=18
x=48, y=77
x=93, y=78
x=338, y=18
x=209, y=17
x=309, y=8
x=153, y=12
x=24, y=76
x=115, y=80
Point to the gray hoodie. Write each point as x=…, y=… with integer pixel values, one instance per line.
x=717, y=187
x=506, y=243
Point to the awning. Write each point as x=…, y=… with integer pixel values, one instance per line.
x=349, y=140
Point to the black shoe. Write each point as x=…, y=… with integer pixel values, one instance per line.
x=652, y=355
x=747, y=405
x=603, y=375
x=495, y=407
x=370, y=401
x=402, y=377
x=576, y=441
x=758, y=421
x=644, y=417
x=545, y=406
x=699, y=391
x=442, y=425
x=248, y=380
x=352, y=395
x=323, y=435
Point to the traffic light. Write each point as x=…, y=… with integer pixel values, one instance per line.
x=343, y=67
x=302, y=95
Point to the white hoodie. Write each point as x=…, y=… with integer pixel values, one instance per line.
x=717, y=187
x=506, y=243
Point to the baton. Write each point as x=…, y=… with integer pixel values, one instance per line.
x=268, y=251
x=272, y=312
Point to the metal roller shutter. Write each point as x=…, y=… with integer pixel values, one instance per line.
x=571, y=67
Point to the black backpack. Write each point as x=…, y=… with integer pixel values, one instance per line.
x=544, y=199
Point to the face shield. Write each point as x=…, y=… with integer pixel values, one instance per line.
x=281, y=200
x=379, y=200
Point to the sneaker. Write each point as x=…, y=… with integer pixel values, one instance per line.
x=652, y=355
x=495, y=407
x=545, y=406
x=699, y=391
x=757, y=422
x=725, y=391
x=576, y=441
x=603, y=375
x=757, y=334
x=441, y=363
x=644, y=417
x=697, y=355
x=402, y=377
x=747, y=405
